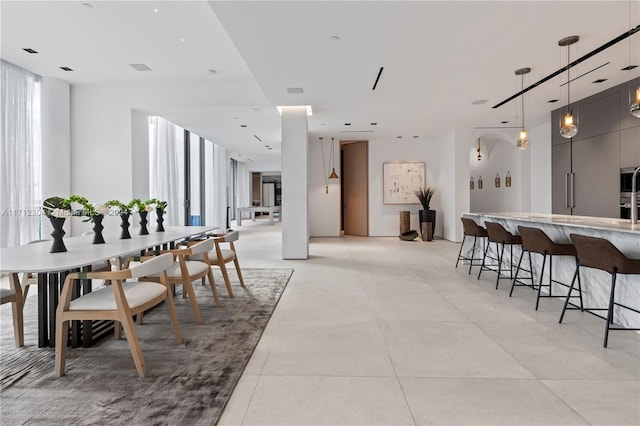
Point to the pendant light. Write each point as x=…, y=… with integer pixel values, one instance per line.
x=523, y=137
x=326, y=184
x=478, y=150
x=635, y=107
x=333, y=174
x=568, y=128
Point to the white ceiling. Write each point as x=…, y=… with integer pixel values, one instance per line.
x=438, y=57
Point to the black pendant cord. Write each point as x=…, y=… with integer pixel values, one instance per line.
x=326, y=184
x=568, y=86
x=521, y=87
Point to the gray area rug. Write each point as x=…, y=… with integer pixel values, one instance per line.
x=185, y=384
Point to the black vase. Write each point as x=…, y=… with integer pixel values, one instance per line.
x=159, y=220
x=427, y=216
x=97, y=229
x=125, y=235
x=143, y=223
x=57, y=234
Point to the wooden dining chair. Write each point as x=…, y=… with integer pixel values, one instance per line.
x=118, y=302
x=185, y=270
x=13, y=295
x=221, y=256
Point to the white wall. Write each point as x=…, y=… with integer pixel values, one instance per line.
x=540, y=155
x=324, y=209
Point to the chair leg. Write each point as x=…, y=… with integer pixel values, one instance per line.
x=225, y=275
x=610, y=311
x=134, y=343
x=533, y=281
x=188, y=288
x=566, y=301
x=17, y=311
x=237, y=264
x=517, y=271
x=214, y=291
x=173, y=315
x=499, y=264
x=139, y=318
x=464, y=237
x=484, y=257
x=62, y=331
x=544, y=261
x=580, y=291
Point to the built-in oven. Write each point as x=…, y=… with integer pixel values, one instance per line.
x=626, y=184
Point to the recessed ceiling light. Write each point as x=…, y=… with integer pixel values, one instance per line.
x=629, y=68
x=335, y=38
x=66, y=69
x=600, y=80
x=550, y=101
x=235, y=118
x=155, y=10
x=212, y=71
x=415, y=137
x=347, y=124
x=269, y=148
x=398, y=137
x=295, y=90
x=181, y=39
x=140, y=67
x=255, y=136
x=88, y=5
x=256, y=109
x=243, y=125
x=504, y=122
x=29, y=50
x=374, y=124
x=479, y=101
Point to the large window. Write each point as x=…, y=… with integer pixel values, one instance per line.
x=189, y=172
x=20, y=156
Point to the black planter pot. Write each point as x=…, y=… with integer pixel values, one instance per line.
x=57, y=234
x=427, y=216
x=125, y=235
x=143, y=223
x=97, y=229
x=159, y=220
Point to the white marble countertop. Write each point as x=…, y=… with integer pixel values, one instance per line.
x=606, y=223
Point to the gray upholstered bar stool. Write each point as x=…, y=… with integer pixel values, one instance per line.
x=472, y=229
x=501, y=237
x=599, y=253
x=535, y=240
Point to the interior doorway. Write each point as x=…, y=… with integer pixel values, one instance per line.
x=355, y=187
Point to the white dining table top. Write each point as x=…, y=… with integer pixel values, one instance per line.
x=81, y=252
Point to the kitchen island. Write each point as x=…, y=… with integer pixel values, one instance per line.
x=596, y=285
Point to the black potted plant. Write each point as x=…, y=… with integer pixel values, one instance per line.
x=124, y=212
x=426, y=215
x=93, y=213
x=57, y=209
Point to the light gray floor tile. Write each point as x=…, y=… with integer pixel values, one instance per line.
x=236, y=408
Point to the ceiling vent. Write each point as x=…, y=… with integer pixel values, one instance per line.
x=140, y=67
x=29, y=50
x=600, y=80
x=627, y=68
x=66, y=69
x=295, y=90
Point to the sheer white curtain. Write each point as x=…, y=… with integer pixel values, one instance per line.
x=242, y=185
x=166, y=181
x=219, y=186
x=20, y=156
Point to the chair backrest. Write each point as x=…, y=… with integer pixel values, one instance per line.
x=232, y=236
x=152, y=266
x=202, y=247
x=472, y=228
x=535, y=240
x=497, y=233
x=601, y=254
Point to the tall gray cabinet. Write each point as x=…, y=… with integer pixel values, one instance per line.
x=586, y=169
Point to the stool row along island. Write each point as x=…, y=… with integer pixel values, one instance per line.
x=596, y=284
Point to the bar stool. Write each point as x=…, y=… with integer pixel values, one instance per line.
x=471, y=229
x=501, y=237
x=535, y=240
x=600, y=254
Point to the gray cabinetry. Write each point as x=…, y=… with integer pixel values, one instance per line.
x=561, y=166
x=630, y=146
x=597, y=176
x=598, y=116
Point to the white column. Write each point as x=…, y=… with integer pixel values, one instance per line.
x=295, y=223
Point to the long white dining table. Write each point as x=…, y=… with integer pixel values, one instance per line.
x=80, y=255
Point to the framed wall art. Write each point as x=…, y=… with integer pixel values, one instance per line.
x=400, y=180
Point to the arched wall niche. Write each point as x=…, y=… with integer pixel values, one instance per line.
x=499, y=157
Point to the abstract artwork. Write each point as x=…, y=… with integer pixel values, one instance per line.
x=400, y=180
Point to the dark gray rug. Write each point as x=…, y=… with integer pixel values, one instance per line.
x=185, y=384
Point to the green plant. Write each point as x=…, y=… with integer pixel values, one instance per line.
x=88, y=209
x=136, y=205
x=56, y=207
x=122, y=208
x=162, y=205
x=424, y=195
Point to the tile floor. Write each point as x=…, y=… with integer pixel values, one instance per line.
x=377, y=331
